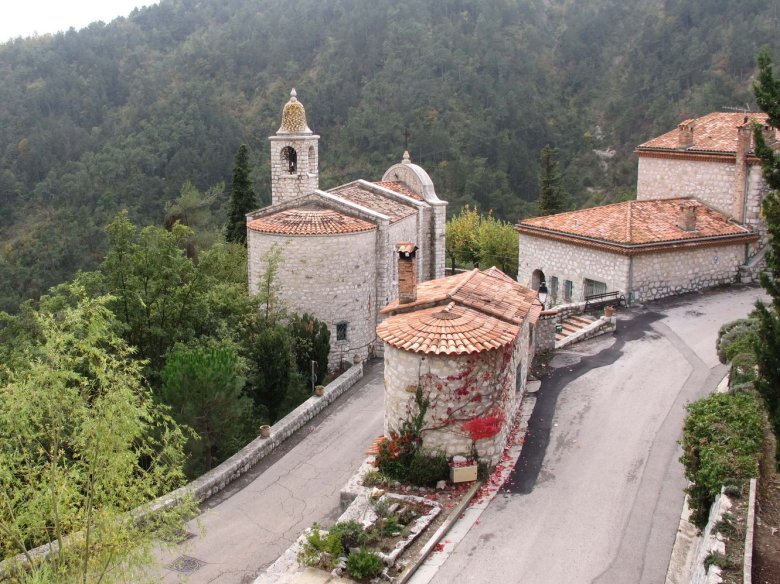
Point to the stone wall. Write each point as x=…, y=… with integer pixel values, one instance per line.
x=711, y=182
x=284, y=185
x=570, y=262
x=332, y=277
x=545, y=331
x=486, y=385
x=664, y=274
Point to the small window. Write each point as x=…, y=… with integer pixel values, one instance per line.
x=341, y=331
x=594, y=287
x=554, y=287
x=568, y=290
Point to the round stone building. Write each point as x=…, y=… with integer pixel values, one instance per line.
x=463, y=345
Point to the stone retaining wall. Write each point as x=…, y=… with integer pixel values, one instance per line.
x=218, y=478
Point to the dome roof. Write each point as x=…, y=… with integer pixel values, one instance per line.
x=294, y=117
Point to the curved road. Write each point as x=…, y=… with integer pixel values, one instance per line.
x=246, y=527
x=597, y=491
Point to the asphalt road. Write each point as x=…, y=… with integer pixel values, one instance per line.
x=597, y=492
x=246, y=527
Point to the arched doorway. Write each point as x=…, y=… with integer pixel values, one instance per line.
x=536, y=279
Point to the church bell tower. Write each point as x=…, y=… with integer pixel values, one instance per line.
x=294, y=155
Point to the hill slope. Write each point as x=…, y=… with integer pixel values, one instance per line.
x=120, y=115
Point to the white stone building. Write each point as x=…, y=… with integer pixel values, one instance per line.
x=466, y=342
x=712, y=159
x=696, y=221
x=642, y=249
x=337, y=246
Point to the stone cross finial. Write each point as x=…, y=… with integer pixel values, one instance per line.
x=293, y=95
x=406, y=159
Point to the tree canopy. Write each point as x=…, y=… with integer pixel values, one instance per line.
x=121, y=115
x=82, y=443
x=767, y=346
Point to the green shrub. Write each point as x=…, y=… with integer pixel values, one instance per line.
x=721, y=442
x=374, y=478
x=716, y=559
x=743, y=368
x=318, y=544
x=351, y=534
x=426, y=469
x=736, y=337
x=364, y=565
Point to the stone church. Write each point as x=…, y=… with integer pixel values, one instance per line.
x=696, y=222
x=338, y=246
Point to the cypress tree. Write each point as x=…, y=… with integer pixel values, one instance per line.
x=552, y=197
x=767, y=92
x=242, y=197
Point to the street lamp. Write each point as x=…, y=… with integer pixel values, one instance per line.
x=542, y=293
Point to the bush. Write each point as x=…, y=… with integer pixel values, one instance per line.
x=316, y=545
x=351, y=534
x=736, y=337
x=364, y=565
x=426, y=469
x=721, y=442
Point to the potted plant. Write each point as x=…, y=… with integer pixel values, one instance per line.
x=319, y=390
x=265, y=431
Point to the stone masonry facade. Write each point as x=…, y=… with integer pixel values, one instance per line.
x=330, y=277
x=711, y=181
x=640, y=277
x=568, y=261
x=669, y=273
x=451, y=383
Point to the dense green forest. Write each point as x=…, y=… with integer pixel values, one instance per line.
x=120, y=115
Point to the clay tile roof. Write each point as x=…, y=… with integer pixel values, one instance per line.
x=651, y=223
x=309, y=219
x=715, y=132
x=472, y=312
x=359, y=195
x=399, y=187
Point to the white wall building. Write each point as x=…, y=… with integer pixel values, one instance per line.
x=337, y=246
x=696, y=222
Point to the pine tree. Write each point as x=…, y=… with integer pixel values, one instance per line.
x=242, y=197
x=552, y=197
x=767, y=91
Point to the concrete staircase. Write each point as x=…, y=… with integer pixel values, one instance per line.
x=572, y=325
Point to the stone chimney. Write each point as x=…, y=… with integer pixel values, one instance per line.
x=744, y=143
x=407, y=272
x=685, y=134
x=687, y=217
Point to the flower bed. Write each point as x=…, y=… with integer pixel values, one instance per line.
x=362, y=551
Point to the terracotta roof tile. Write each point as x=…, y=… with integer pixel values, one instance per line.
x=310, y=219
x=399, y=187
x=715, y=132
x=468, y=313
x=637, y=223
x=374, y=201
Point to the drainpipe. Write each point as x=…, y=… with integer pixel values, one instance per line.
x=630, y=280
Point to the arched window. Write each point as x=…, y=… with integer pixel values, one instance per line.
x=536, y=279
x=290, y=158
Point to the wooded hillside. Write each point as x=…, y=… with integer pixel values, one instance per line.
x=121, y=115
